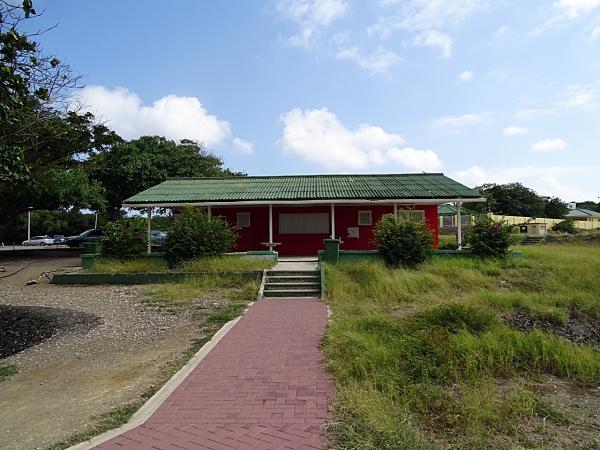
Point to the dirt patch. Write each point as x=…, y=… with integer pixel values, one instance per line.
x=579, y=328
x=81, y=372
x=22, y=327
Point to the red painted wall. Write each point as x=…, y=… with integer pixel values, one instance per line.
x=309, y=244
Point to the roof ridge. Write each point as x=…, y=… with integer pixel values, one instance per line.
x=238, y=177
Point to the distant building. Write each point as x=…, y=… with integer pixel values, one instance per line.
x=448, y=214
x=581, y=214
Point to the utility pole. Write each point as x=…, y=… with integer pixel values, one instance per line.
x=29, y=222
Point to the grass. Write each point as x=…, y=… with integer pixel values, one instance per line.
x=216, y=264
x=8, y=371
x=424, y=358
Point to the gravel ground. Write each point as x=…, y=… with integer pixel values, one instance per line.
x=579, y=329
x=80, y=372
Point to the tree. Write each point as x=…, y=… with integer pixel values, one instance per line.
x=42, y=143
x=511, y=199
x=589, y=205
x=489, y=239
x=555, y=208
x=130, y=167
x=403, y=244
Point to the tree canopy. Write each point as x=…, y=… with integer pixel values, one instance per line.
x=511, y=199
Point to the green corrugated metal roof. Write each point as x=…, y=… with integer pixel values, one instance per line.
x=304, y=187
x=447, y=210
x=580, y=212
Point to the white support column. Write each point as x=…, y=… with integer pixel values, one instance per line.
x=459, y=226
x=332, y=221
x=149, y=224
x=271, y=227
x=209, y=212
x=396, y=211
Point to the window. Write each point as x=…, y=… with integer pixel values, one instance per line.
x=411, y=215
x=448, y=221
x=365, y=218
x=303, y=223
x=243, y=219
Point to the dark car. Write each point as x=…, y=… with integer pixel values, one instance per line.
x=93, y=235
x=59, y=239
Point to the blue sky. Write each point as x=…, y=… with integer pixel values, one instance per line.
x=482, y=90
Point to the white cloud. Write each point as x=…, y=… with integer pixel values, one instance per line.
x=378, y=62
x=545, y=180
x=549, y=145
x=576, y=95
x=501, y=31
x=311, y=16
x=467, y=75
x=528, y=114
x=576, y=8
x=454, y=123
x=243, y=146
x=426, y=14
x=171, y=116
x=514, y=130
x=595, y=34
x=320, y=137
x=436, y=39
x=568, y=10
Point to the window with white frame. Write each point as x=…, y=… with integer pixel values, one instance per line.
x=243, y=219
x=411, y=215
x=365, y=218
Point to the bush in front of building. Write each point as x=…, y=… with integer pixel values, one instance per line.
x=195, y=235
x=403, y=244
x=488, y=238
x=125, y=239
x=566, y=226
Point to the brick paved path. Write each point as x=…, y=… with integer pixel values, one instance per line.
x=262, y=386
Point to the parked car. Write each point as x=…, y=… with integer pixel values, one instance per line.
x=59, y=239
x=39, y=240
x=158, y=237
x=93, y=235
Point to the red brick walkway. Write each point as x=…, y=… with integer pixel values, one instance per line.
x=262, y=386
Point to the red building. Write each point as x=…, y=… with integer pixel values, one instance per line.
x=293, y=215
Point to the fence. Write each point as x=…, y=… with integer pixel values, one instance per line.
x=467, y=220
x=516, y=220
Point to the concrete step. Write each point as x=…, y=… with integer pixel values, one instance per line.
x=292, y=286
x=277, y=273
x=293, y=278
x=292, y=293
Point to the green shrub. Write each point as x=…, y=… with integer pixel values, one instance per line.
x=566, y=226
x=125, y=239
x=489, y=239
x=403, y=243
x=195, y=235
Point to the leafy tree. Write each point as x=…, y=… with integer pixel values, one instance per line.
x=403, y=244
x=592, y=206
x=195, y=235
x=125, y=238
x=555, y=208
x=130, y=167
x=489, y=239
x=511, y=199
x=42, y=143
x=566, y=226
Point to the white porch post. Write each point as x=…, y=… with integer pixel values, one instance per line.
x=149, y=224
x=209, y=212
x=270, y=227
x=459, y=226
x=396, y=211
x=332, y=221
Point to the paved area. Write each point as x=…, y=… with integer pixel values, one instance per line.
x=297, y=263
x=262, y=386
